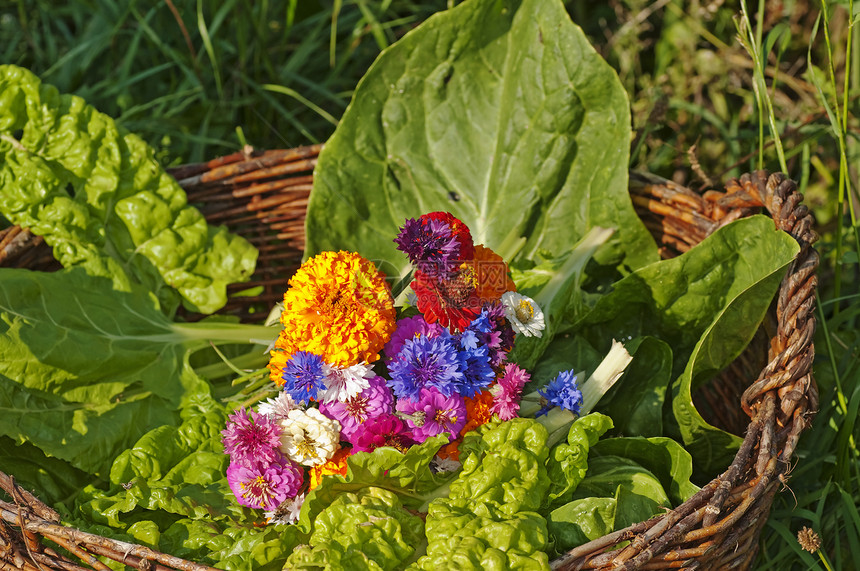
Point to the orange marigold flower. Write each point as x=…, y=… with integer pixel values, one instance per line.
x=478, y=410
x=339, y=307
x=492, y=277
x=278, y=359
x=336, y=465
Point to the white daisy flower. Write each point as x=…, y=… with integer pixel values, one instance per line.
x=523, y=313
x=277, y=408
x=343, y=383
x=309, y=437
x=287, y=513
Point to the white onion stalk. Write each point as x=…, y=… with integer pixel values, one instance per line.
x=557, y=420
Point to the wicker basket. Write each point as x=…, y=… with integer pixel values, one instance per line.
x=263, y=197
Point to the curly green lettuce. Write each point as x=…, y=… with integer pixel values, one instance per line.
x=368, y=530
x=99, y=197
x=490, y=518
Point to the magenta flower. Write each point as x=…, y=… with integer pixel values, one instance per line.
x=507, y=391
x=387, y=430
x=251, y=437
x=375, y=400
x=433, y=413
x=264, y=485
x=410, y=328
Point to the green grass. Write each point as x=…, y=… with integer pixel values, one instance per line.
x=717, y=88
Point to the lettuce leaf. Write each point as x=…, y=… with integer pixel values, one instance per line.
x=100, y=198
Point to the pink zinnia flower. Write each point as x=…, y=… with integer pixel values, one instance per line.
x=264, y=485
x=375, y=400
x=382, y=431
x=410, y=328
x=507, y=391
x=251, y=437
x=433, y=413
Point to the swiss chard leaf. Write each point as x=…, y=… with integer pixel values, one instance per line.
x=706, y=304
x=87, y=369
x=100, y=198
x=498, y=111
x=581, y=521
x=52, y=480
x=643, y=494
x=663, y=457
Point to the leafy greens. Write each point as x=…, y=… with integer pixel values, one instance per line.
x=99, y=197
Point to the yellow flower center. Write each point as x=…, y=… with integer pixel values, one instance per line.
x=443, y=417
x=305, y=447
x=525, y=312
x=257, y=490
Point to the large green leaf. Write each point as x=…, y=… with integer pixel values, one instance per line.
x=498, y=111
x=706, y=304
x=100, y=198
x=86, y=369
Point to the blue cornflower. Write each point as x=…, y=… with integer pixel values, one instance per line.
x=304, y=377
x=563, y=392
x=477, y=372
x=425, y=362
x=489, y=329
x=429, y=244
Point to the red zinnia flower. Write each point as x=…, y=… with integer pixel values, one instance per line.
x=452, y=302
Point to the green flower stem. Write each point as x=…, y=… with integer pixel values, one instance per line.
x=557, y=422
x=227, y=332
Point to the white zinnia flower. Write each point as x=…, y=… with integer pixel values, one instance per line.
x=277, y=408
x=343, y=383
x=309, y=437
x=523, y=313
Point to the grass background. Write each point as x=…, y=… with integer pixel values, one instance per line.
x=717, y=88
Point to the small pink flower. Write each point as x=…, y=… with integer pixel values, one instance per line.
x=409, y=328
x=387, y=430
x=251, y=437
x=507, y=391
x=433, y=413
x=264, y=485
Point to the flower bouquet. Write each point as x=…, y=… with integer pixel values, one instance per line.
x=356, y=373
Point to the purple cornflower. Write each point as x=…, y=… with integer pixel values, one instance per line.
x=410, y=328
x=429, y=245
x=375, y=400
x=251, y=437
x=264, y=484
x=562, y=392
x=386, y=430
x=304, y=376
x=507, y=391
x=433, y=414
x=425, y=362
